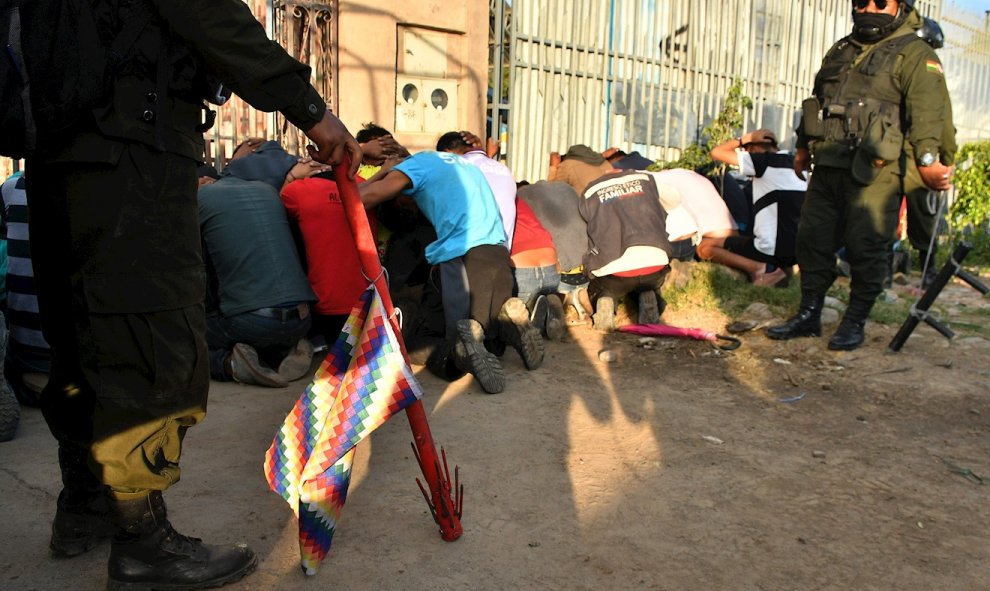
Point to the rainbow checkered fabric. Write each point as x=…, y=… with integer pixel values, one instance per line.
x=363, y=381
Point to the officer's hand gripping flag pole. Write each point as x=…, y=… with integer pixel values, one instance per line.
x=445, y=499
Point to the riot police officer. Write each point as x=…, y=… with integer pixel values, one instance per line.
x=879, y=99
x=116, y=251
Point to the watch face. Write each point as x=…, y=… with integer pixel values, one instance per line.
x=927, y=159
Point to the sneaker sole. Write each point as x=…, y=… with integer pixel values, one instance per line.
x=297, y=363
x=520, y=334
x=482, y=364
x=260, y=378
x=604, y=316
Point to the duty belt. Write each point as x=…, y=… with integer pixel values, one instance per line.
x=284, y=313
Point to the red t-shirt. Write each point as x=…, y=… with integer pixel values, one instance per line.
x=529, y=233
x=334, y=269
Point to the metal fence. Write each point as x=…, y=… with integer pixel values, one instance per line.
x=966, y=59
x=648, y=75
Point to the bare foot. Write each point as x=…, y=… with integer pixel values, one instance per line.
x=769, y=279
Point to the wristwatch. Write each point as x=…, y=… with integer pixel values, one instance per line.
x=926, y=159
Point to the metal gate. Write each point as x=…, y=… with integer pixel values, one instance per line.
x=306, y=29
x=648, y=75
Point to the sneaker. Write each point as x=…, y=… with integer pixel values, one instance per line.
x=471, y=356
x=539, y=312
x=246, y=368
x=516, y=331
x=297, y=363
x=649, y=311
x=604, y=317
x=556, y=325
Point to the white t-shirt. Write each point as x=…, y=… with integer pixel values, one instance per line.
x=700, y=198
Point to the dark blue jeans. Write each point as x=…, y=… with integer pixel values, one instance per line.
x=271, y=337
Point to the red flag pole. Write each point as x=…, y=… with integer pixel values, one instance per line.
x=445, y=508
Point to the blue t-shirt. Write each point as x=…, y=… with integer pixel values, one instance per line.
x=454, y=195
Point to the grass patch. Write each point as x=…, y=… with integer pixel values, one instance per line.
x=715, y=288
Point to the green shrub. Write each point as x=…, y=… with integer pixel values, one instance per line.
x=969, y=215
x=972, y=181
x=718, y=130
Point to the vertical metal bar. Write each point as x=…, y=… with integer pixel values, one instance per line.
x=498, y=60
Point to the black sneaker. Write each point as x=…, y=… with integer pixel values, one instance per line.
x=539, y=312
x=516, y=331
x=556, y=325
x=471, y=356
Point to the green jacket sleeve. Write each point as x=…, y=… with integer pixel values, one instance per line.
x=235, y=48
x=928, y=110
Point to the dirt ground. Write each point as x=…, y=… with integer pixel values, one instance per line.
x=778, y=466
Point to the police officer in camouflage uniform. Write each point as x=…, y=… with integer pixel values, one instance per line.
x=879, y=100
x=121, y=280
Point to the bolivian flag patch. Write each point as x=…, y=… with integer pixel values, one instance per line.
x=934, y=67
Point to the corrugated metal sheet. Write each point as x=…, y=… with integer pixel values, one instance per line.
x=648, y=75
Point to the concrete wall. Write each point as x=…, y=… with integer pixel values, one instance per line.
x=372, y=36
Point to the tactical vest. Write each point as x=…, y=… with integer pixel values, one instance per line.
x=858, y=100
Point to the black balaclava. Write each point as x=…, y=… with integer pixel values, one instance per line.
x=871, y=27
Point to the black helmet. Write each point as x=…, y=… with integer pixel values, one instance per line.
x=931, y=32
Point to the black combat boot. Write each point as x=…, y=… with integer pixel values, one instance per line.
x=82, y=513
x=807, y=322
x=149, y=554
x=850, y=334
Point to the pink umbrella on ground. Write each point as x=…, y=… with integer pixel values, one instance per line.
x=699, y=334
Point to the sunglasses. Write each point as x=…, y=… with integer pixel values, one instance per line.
x=862, y=4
